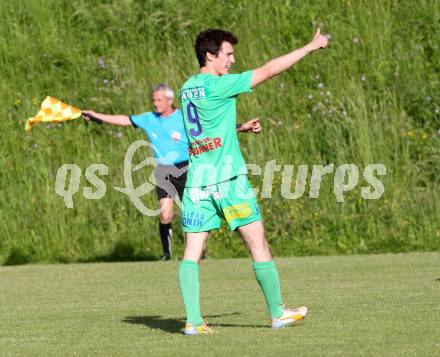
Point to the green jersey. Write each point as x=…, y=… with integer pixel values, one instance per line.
x=209, y=115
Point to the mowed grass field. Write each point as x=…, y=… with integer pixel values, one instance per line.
x=359, y=305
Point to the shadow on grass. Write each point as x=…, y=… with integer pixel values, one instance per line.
x=122, y=252
x=170, y=325
x=175, y=325
x=19, y=256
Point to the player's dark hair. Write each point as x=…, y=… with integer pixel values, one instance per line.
x=210, y=41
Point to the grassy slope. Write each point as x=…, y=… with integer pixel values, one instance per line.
x=361, y=305
x=379, y=104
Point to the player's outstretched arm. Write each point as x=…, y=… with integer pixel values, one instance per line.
x=122, y=120
x=280, y=64
x=251, y=126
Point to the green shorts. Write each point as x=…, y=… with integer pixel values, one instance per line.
x=204, y=207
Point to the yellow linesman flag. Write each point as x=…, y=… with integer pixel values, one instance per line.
x=53, y=111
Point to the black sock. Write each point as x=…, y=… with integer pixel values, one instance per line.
x=166, y=234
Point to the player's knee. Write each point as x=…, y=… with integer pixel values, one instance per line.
x=193, y=252
x=259, y=250
x=258, y=245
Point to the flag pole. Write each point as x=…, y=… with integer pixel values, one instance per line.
x=92, y=118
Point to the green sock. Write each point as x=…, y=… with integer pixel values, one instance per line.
x=189, y=288
x=267, y=276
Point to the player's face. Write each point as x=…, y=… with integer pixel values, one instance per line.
x=161, y=103
x=225, y=59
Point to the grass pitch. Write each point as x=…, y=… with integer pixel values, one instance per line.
x=368, y=305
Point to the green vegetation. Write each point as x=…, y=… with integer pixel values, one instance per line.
x=381, y=305
x=371, y=97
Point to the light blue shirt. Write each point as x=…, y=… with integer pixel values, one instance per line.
x=166, y=134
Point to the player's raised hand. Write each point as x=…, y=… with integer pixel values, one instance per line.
x=319, y=41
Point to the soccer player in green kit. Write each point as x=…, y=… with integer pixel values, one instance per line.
x=217, y=186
